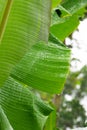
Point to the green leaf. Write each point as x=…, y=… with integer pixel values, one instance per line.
x=24, y=110
x=44, y=67
x=63, y=27
x=51, y=122
x=55, y=3
x=22, y=24
x=55, y=40
x=70, y=11
x=4, y=123
x=63, y=11
x=74, y=6
x=2, y=8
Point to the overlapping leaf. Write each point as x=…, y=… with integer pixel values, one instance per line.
x=44, y=67
x=50, y=124
x=24, y=110
x=63, y=26
x=22, y=23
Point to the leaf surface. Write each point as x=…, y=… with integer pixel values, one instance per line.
x=63, y=27
x=44, y=67
x=74, y=5
x=55, y=3
x=65, y=18
x=4, y=123
x=24, y=110
x=2, y=8
x=51, y=122
x=22, y=24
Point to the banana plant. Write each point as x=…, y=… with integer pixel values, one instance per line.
x=29, y=58
x=25, y=49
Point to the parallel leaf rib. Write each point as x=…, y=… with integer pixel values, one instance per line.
x=28, y=22
x=24, y=110
x=44, y=67
x=5, y=18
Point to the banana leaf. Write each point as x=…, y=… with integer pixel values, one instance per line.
x=22, y=24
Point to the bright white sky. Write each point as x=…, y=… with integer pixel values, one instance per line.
x=81, y=54
x=79, y=42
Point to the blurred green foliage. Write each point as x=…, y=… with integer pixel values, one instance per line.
x=72, y=113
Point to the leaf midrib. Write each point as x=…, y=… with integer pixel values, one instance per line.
x=5, y=18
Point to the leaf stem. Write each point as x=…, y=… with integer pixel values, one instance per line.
x=5, y=18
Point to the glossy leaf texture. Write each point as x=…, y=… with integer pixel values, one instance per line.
x=65, y=18
x=44, y=67
x=24, y=110
x=22, y=24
